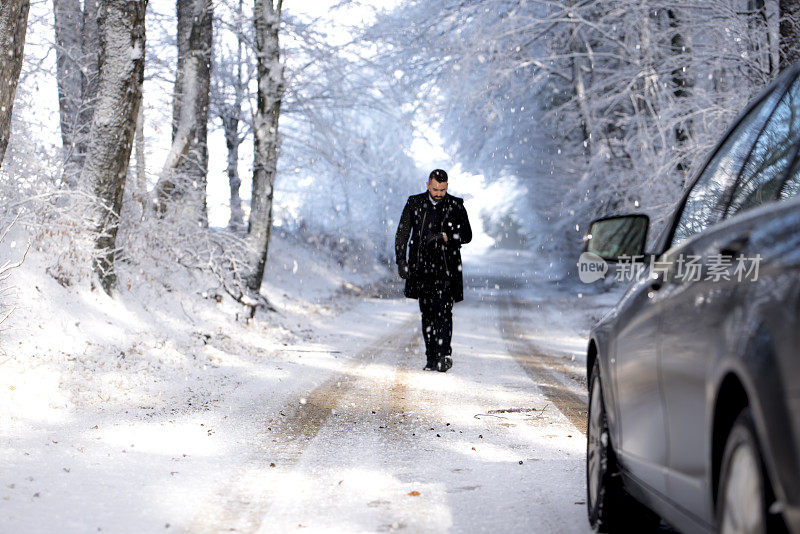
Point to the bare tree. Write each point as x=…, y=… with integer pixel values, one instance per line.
x=68, y=16
x=139, y=189
x=790, y=32
x=267, y=20
x=77, y=72
x=232, y=72
x=13, y=25
x=759, y=16
x=682, y=82
x=6, y=270
x=122, y=45
x=90, y=45
x=185, y=172
x=581, y=68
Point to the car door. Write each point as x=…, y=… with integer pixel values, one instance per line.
x=641, y=427
x=700, y=310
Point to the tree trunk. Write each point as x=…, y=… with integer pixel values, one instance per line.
x=140, y=187
x=579, y=60
x=760, y=27
x=579, y=89
x=265, y=138
x=91, y=72
x=231, y=126
x=185, y=173
x=68, y=17
x=682, y=84
x=232, y=141
x=76, y=60
x=119, y=93
x=790, y=32
x=13, y=25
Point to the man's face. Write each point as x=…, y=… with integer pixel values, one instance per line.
x=437, y=189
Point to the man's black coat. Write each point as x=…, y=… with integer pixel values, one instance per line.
x=454, y=223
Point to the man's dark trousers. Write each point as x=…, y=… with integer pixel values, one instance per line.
x=437, y=324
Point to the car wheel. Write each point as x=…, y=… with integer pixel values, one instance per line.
x=742, y=498
x=610, y=508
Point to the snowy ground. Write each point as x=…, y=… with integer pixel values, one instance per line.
x=160, y=413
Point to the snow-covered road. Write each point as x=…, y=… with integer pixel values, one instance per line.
x=337, y=431
x=494, y=445
x=381, y=446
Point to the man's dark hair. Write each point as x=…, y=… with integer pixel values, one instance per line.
x=439, y=175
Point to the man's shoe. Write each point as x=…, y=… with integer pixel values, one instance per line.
x=444, y=364
x=430, y=366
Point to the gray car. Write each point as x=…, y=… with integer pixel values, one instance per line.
x=694, y=376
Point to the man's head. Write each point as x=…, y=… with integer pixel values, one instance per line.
x=437, y=184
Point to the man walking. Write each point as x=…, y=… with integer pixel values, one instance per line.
x=437, y=226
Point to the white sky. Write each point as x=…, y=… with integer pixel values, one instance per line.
x=356, y=13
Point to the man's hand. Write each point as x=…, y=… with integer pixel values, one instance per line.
x=436, y=238
x=402, y=270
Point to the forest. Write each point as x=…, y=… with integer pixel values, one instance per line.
x=140, y=138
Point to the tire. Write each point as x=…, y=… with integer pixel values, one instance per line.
x=743, y=493
x=609, y=506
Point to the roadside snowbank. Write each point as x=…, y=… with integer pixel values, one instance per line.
x=104, y=401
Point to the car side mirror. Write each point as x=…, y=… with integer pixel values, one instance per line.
x=618, y=236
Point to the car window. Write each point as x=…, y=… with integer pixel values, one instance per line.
x=706, y=203
x=771, y=157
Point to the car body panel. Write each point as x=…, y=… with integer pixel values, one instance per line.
x=699, y=327
x=771, y=360
x=641, y=433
